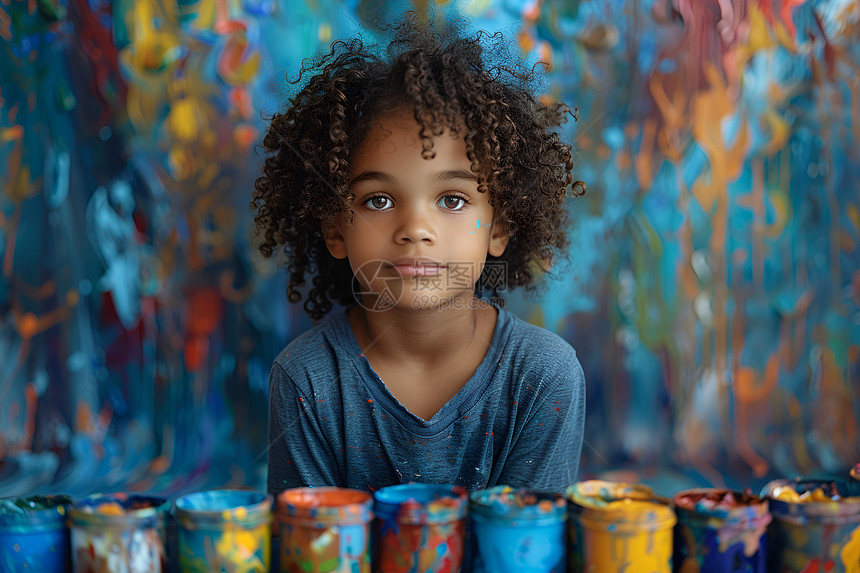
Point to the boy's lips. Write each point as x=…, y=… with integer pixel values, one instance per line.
x=417, y=267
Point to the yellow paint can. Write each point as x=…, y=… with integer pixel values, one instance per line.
x=619, y=527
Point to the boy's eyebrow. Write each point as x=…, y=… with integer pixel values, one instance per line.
x=453, y=174
x=372, y=176
x=438, y=177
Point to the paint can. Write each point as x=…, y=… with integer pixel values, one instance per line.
x=119, y=533
x=224, y=530
x=619, y=527
x=517, y=531
x=33, y=534
x=816, y=527
x=325, y=529
x=720, y=531
x=419, y=528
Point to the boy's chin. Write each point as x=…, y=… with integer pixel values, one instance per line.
x=419, y=302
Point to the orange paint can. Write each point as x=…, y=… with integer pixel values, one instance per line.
x=325, y=529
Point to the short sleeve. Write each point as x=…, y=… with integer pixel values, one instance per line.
x=299, y=453
x=548, y=448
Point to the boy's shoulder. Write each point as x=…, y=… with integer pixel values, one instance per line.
x=537, y=355
x=530, y=337
x=313, y=351
x=537, y=350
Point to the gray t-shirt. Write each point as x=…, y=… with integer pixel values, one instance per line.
x=518, y=421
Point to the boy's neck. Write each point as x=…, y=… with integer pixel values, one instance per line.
x=409, y=348
x=413, y=335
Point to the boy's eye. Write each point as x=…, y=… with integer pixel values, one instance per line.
x=378, y=203
x=453, y=202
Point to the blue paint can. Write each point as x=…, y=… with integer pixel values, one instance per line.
x=33, y=534
x=119, y=532
x=517, y=531
x=720, y=531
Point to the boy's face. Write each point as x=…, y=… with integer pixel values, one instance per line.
x=421, y=231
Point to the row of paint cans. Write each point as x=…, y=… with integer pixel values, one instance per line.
x=421, y=528
x=597, y=526
x=120, y=533
x=795, y=526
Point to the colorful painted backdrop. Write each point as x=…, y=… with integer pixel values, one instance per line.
x=713, y=290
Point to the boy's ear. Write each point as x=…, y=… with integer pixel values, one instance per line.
x=498, y=239
x=334, y=240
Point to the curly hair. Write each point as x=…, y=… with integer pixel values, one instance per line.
x=510, y=138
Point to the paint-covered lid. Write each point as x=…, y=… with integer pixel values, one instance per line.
x=325, y=505
x=218, y=507
x=33, y=513
x=119, y=510
x=618, y=506
x=518, y=507
x=713, y=507
x=806, y=502
x=418, y=504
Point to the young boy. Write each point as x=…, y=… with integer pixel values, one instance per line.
x=405, y=183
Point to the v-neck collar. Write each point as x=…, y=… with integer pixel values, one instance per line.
x=452, y=410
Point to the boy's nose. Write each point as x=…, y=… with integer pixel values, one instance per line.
x=415, y=227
